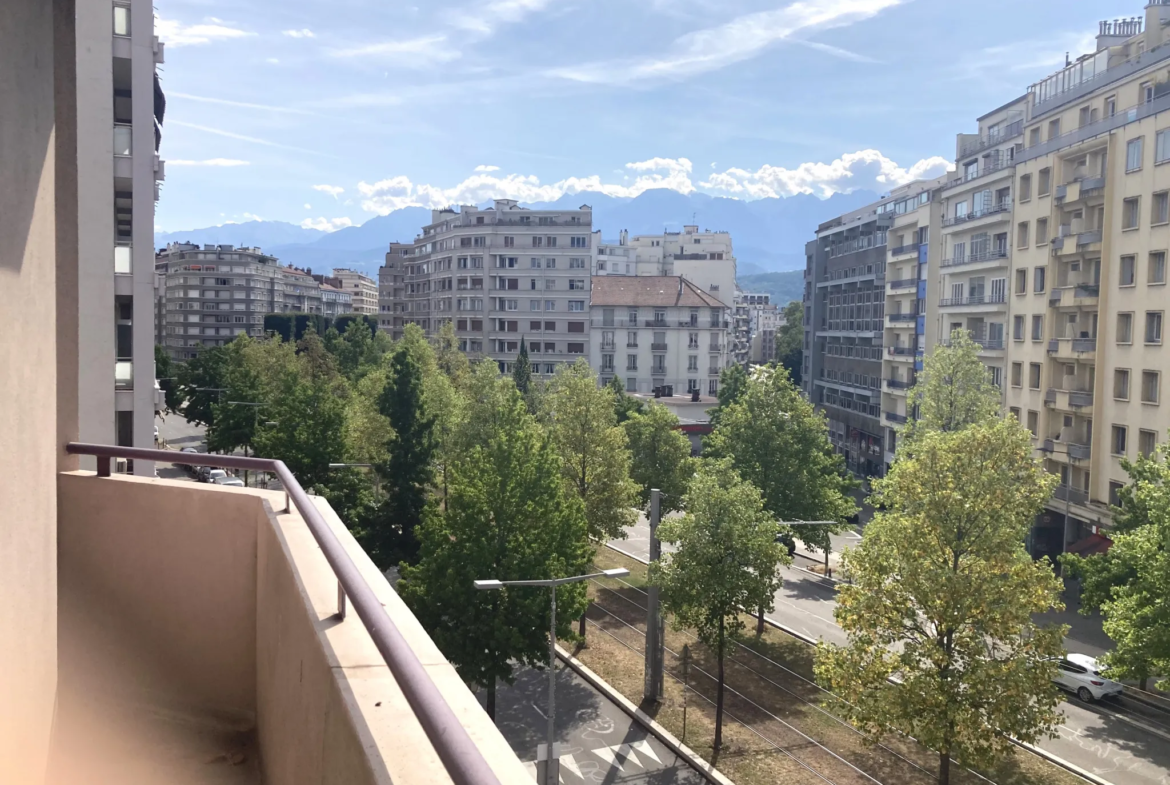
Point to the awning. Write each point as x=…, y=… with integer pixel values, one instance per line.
x=1094, y=543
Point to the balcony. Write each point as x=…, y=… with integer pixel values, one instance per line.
x=1071, y=495
x=202, y=637
x=1073, y=348
x=901, y=351
x=1068, y=400
x=902, y=317
x=1083, y=188
x=631, y=344
x=658, y=347
x=1072, y=450
x=1001, y=210
x=979, y=144
x=897, y=419
x=898, y=384
x=994, y=255
x=974, y=299
x=905, y=283
x=608, y=346
x=990, y=166
x=656, y=323
x=902, y=250
x=1075, y=296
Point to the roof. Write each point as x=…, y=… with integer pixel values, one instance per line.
x=650, y=290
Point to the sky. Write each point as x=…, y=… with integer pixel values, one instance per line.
x=327, y=114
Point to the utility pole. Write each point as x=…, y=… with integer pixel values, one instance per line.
x=655, y=632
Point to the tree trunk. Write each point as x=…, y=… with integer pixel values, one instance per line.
x=944, y=768
x=1145, y=680
x=490, y=708
x=718, y=743
x=760, y=622
x=827, y=573
x=581, y=629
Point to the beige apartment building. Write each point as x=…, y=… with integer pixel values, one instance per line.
x=498, y=274
x=363, y=290
x=1090, y=234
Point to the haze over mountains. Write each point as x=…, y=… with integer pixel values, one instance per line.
x=769, y=234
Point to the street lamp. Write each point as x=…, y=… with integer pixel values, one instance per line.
x=552, y=762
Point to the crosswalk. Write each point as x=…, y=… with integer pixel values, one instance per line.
x=637, y=754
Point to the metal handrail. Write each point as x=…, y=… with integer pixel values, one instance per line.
x=459, y=754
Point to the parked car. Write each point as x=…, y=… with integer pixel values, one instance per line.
x=192, y=470
x=1080, y=674
x=232, y=482
x=787, y=541
x=207, y=474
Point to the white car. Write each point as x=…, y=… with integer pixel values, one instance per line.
x=1081, y=674
x=233, y=482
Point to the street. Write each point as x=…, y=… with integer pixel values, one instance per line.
x=1111, y=741
x=598, y=741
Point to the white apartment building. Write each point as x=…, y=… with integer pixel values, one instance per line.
x=498, y=274
x=765, y=321
x=362, y=289
x=119, y=114
x=656, y=332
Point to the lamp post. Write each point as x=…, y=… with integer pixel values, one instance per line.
x=255, y=407
x=552, y=762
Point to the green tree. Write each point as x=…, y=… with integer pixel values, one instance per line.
x=522, y=370
x=448, y=357
x=726, y=559
x=624, y=405
x=407, y=473
x=780, y=443
x=660, y=455
x=942, y=597
x=790, y=341
x=953, y=389
x=1130, y=582
x=509, y=517
x=593, y=448
x=166, y=372
x=733, y=383
x=234, y=419
x=200, y=382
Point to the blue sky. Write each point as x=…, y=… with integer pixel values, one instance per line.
x=326, y=114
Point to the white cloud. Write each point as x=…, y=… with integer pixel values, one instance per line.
x=494, y=14
x=252, y=217
x=241, y=137
x=204, y=99
x=487, y=168
x=272, y=60
x=740, y=39
x=865, y=169
x=422, y=52
x=177, y=34
x=302, y=33
x=308, y=206
x=332, y=190
x=208, y=162
x=326, y=224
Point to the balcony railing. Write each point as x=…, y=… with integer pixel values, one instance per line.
x=902, y=317
x=904, y=249
x=658, y=347
x=904, y=283
x=631, y=344
x=655, y=323
x=991, y=166
x=991, y=140
x=607, y=346
x=1002, y=207
x=975, y=299
x=1081, y=345
x=894, y=417
x=974, y=258
x=898, y=384
x=461, y=757
x=1072, y=495
x=902, y=351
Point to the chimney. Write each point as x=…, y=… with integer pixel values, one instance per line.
x=680, y=286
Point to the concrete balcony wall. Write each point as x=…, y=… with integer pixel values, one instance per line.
x=197, y=623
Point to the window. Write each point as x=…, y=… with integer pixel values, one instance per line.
x=1018, y=328
x=632, y=384
x=576, y=327
x=1153, y=326
x=1033, y=422
x=1114, y=492
x=576, y=348
x=1017, y=374
x=1129, y=212
x=550, y=305
x=1025, y=187
x=1041, y=231
x=1156, y=271
x=534, y=326
x=693, y=362
x=533, y=305
x=577, y=284
x=1133, y=154
x=1147, y=442
x=1162, y=147
x=1151, y=381
x=550, y=263
x=1015, y=412
x=534, y=262
x=1034, y=376
x=550, y=242
x=1037, y=327
x=578, y=242
x=1044, y=187
x=1038, y=279
x=1125, y=328
x=121, y=20
x=1034, y=137
x=550, y=327
x=1022, y=235
x=631, y=362
x=1160, y=213
x=1021, y=281
x=1053, y=128
x=1147, y=93
x=1121, y=384
x=509, y=242
x=576, y=305
x=537, y=242
x=1126, y=272
x=1117, y=440
x=576, y=263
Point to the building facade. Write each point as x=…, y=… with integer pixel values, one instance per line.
x=363, y=290
x=656, y=332
x=119, y=113
x=498, y=274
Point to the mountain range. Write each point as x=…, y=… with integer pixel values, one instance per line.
x=768, y=234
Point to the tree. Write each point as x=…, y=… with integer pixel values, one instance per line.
x=624, y=406
x=448, y=356
x=166, y=372
x=593, y=448
x=1130, y=582
x=942, y=597
x=778, y=442
x=726, y=559
x=953, y=389
x=199, y=384
x=732, y=384
x=790, y=341
x=508, y=516
x=660, y=455
x=234, y=418
x=522, y=370
x=407, y=473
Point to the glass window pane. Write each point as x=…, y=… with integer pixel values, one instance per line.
x=122, y=143
x=121, y=20
x=122, y=262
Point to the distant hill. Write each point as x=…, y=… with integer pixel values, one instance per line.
x=769, y=234
x=784, y=287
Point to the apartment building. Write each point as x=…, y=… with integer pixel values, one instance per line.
x=119, y=114
x=363, y=290
x=844, y=306
x=499, y=274
x=1090, y=234
x=657, y=332
x=912, y=314
x=766, y=320
x=614, y=257
x=212, y=293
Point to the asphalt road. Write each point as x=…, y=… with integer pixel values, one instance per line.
x=1111, y=741
x=597, y=741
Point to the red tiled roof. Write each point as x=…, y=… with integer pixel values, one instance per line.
x=650, y=290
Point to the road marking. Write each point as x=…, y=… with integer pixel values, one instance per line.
x=644, y=747
x=538, y=711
